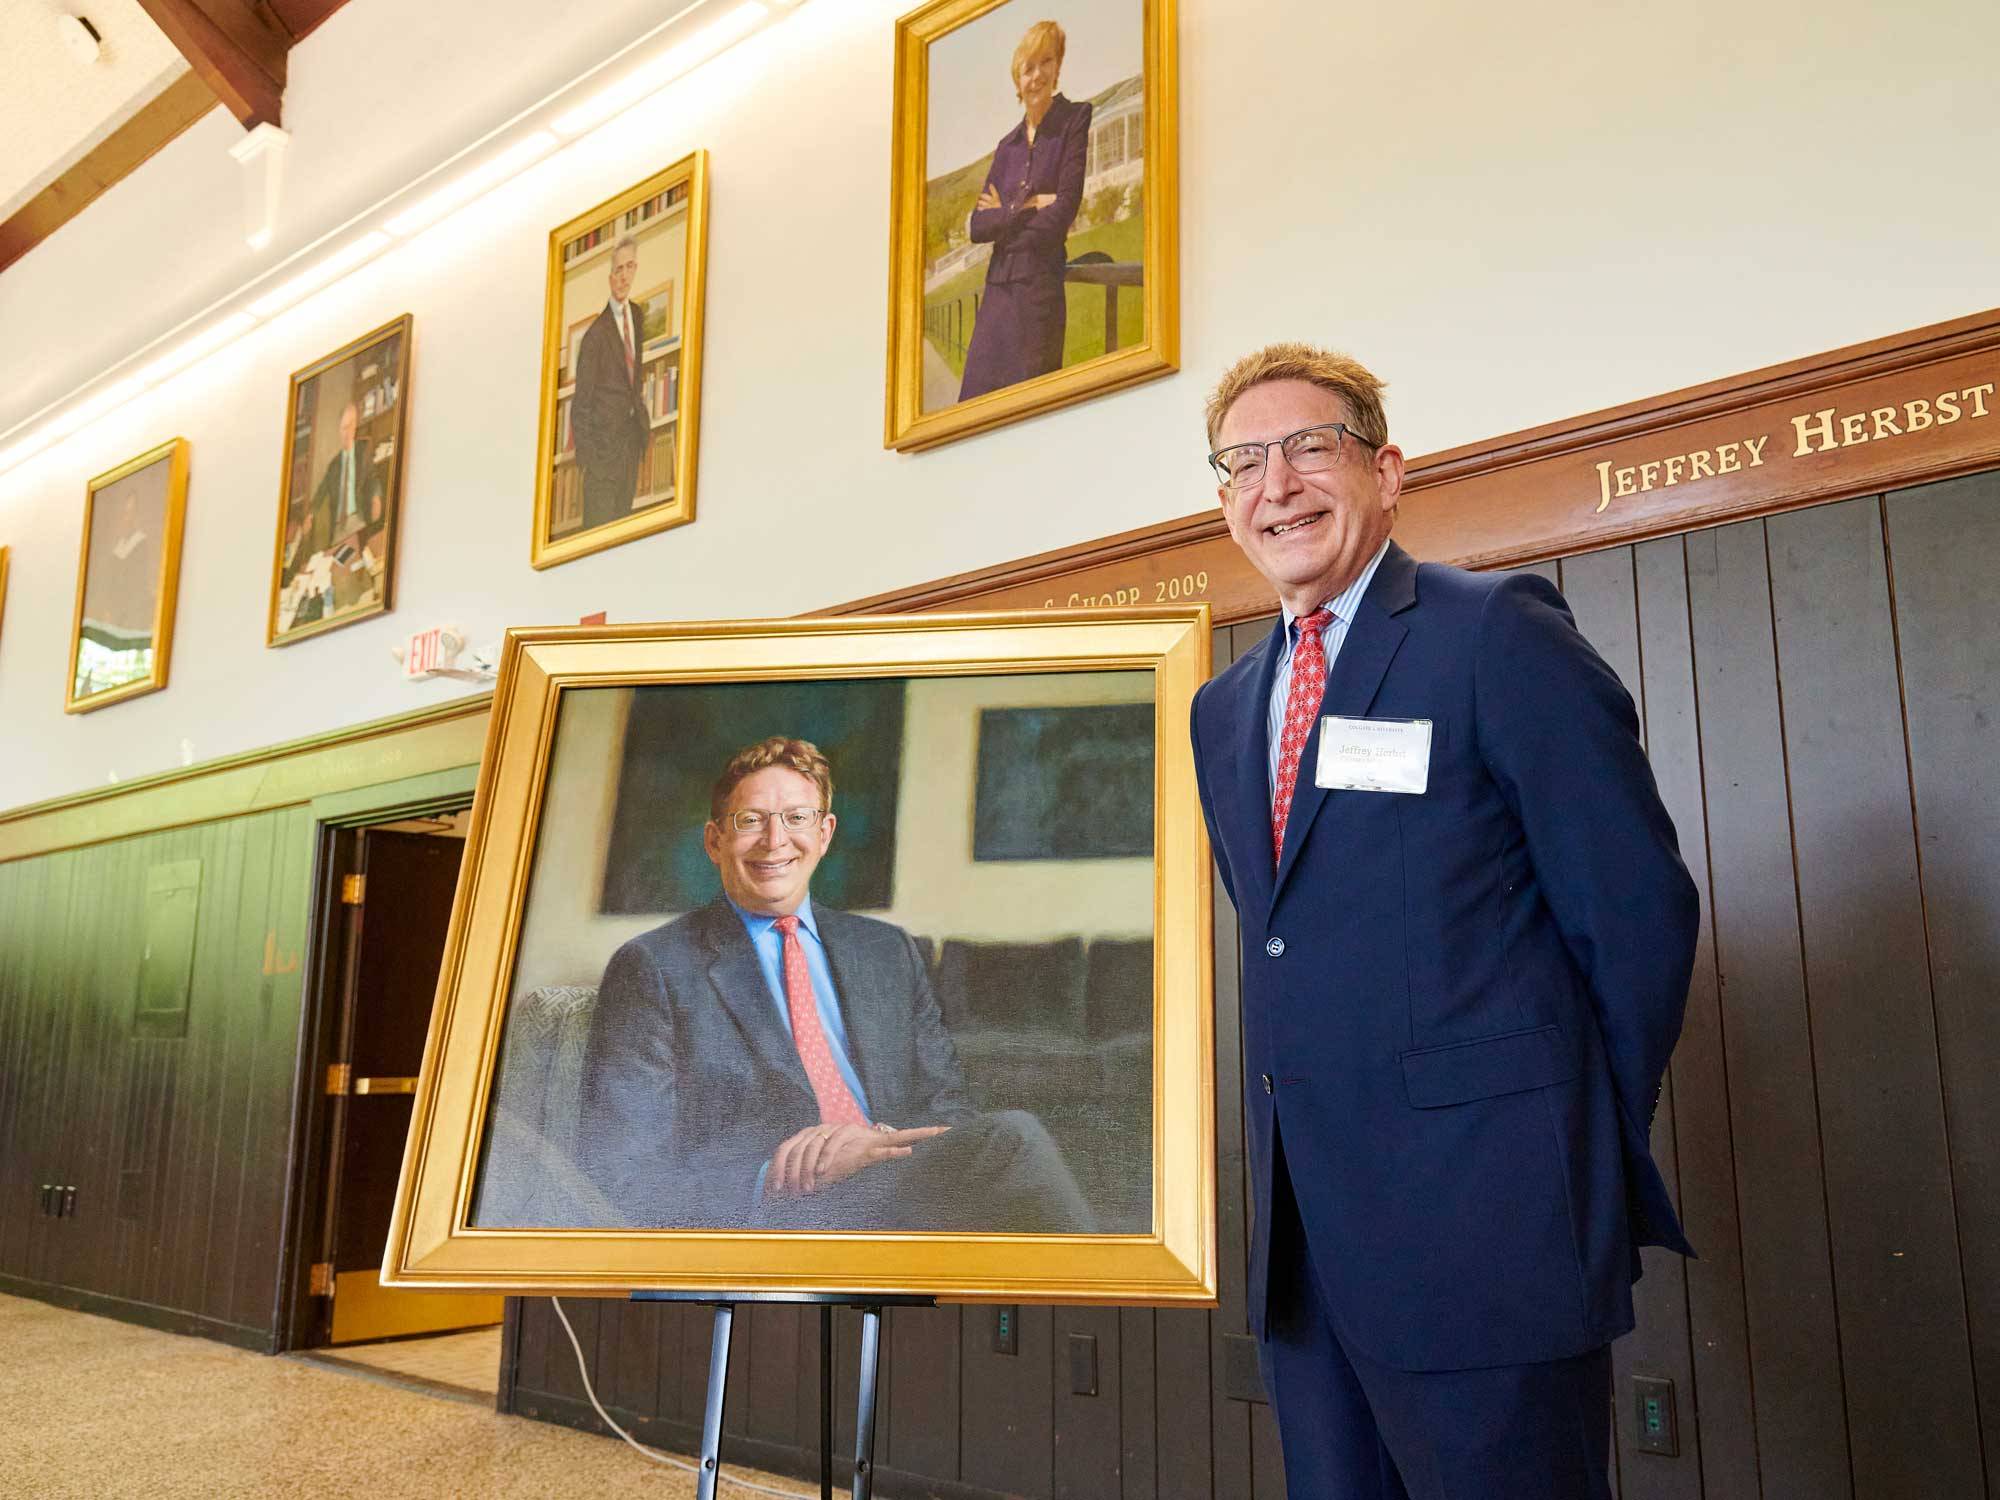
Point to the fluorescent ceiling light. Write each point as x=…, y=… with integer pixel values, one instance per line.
x=343, y=260
x=489, y=173
x=206, y=342
x=650, y=77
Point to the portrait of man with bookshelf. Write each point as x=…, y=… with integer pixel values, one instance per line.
x=617, y=424
x=341, y=493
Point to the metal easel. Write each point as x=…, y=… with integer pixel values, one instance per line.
x=725, y=1305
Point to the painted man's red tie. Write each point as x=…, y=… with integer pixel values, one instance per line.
x=837, y=1104
x=1302, y=702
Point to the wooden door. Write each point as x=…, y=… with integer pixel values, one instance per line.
x=397, y=930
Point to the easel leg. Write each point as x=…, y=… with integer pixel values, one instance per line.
x=711, y=1421
x=826, y=1402
x=864, y=1422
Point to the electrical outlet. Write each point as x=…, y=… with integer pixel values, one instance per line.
x=1083, y=1364
x=1653, y=1410
x=1007, y=1330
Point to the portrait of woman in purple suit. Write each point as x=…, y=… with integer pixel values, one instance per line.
x=1024, y=210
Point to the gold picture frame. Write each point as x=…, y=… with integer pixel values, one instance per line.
x=3, y=592
x=501, y=1188
x=340, y=493
x=122, y=633
x=1063, y=342
x=615, y=462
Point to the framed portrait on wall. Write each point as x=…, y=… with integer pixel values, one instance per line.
x=3, y=592
x=1034, y=252
x=340, y=496
x=127, y=579
x=742, y=992
x=621, y=366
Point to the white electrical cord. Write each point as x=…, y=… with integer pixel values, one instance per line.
x=583, y=1369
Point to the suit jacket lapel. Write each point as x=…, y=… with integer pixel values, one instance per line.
x=1357, y=675
x=739, y=984
x=861, y=1001
x=1250, y=779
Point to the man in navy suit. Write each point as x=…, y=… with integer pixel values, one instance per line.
x=1466, y=941
x=763, y=1062
x=607, y=412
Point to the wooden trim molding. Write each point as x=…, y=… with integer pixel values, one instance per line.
x=1894, y=412
x=443, y=737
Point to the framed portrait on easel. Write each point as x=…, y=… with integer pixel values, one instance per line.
x=815, y=955
x=1034, y=259
x=621, y=367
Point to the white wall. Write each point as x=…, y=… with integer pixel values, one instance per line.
x=1514, y=213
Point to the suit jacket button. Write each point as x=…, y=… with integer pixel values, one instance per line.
x=1266, y=1077
x=1275, y=947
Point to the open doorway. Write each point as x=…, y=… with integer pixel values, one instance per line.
x=384, y=911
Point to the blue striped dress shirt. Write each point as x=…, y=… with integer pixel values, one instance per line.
x=1343, y=605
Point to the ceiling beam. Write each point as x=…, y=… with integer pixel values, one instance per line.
x=179, y=105
x=237, y=47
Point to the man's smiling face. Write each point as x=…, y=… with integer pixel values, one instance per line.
x=768, y=871
x=1310, y=535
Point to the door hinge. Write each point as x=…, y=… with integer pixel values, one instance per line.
x=339, y=1077
x=322, y=1279
x=352, y=888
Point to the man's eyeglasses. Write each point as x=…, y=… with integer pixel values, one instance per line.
x=791, y=819
x=1309, y=450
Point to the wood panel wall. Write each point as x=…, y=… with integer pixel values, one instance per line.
x=1820, y=696
x=178, y=1146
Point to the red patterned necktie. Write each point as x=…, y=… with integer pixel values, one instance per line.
x=837, y=1104
x=1302, y=702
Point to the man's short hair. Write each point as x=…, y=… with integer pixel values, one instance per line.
x=801, y=756
x=1359, y=391
x=626, y=242
x=1041, y=34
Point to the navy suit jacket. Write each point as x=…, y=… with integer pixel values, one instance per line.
x=1458, y=1006
x=690, y=1080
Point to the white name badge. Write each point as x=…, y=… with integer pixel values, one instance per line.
x=1374, y=755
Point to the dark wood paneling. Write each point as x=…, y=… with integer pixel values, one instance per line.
x=1139, y=1468
x=1694, y=1108
x=1602, y=589
x=923, y=1402
x=1945, y=546
x=1787, y=1272
x=1008, y=1407
x=1084, y=1429
x=176, y=1144
x=1904, y=1353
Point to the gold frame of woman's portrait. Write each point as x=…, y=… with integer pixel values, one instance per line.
x=1157, y=352
x=3, y=592
x=395, y=385
x=554, y=500
x=174, y=453
x=436, y=1239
